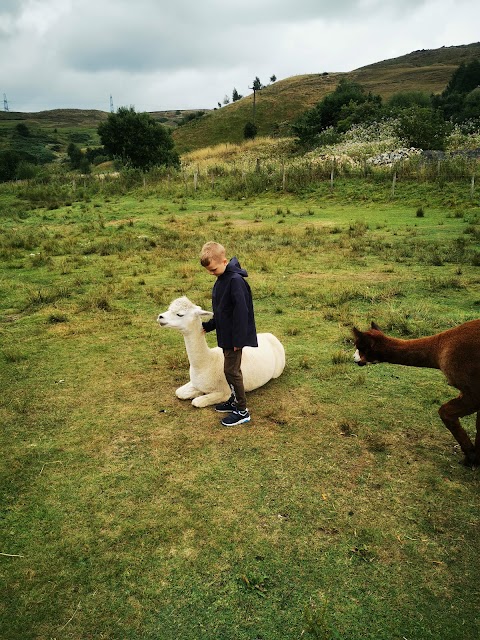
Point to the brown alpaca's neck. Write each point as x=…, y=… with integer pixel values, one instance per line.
x=420, y=352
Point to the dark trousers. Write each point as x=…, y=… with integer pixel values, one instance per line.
x=233, y=374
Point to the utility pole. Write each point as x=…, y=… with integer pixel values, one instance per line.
x=257, y=85
x=111, y=105
x=254, y=100
x=5, y=102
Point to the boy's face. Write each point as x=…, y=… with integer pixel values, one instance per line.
x=217, y=267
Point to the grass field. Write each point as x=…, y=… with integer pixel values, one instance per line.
x=340, y=512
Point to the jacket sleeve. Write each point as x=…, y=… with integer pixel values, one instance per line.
x=209, y=325
x=239, y=294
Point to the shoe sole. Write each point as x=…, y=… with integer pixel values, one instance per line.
x=234, y=424
x=223, y=410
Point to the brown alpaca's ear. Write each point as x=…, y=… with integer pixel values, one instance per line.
x=356, y=332
x=375, y=326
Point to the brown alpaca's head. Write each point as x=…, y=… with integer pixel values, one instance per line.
x=367, y=345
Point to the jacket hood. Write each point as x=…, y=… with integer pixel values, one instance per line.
x=234, y=267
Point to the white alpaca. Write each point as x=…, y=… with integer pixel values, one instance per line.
x=207, y=381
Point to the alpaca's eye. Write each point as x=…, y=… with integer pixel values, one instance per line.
x=180, y=315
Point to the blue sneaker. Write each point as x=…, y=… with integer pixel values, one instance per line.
x=237, y=416
x=228, y=406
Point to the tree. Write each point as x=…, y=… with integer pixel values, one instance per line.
x=423, y=128
x=75, y=155
x=364, y=112
x=236, y=96
x=454, y=101
x=249, y=131
x=78, y=159
x=342, y=104
x=472, y=105
x=22, y=130
x=257, y=85
x=404, y=99
x=9, y=161
x=226, y=99
x=465, y=79
x=273, y=78
x=137, y=139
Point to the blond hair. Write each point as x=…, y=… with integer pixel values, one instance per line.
x=211, y=251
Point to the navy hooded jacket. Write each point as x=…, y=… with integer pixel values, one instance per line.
x=233, y=317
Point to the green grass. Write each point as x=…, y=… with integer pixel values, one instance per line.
x=340, y=512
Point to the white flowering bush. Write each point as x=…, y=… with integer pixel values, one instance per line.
x=464, y=137
x=364, y=141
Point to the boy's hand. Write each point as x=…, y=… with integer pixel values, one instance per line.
x=237, y=348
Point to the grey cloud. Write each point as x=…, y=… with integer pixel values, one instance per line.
x=158, y=54
x=12, y=7
x=148, y=35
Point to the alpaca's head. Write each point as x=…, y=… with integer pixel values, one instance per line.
x=368, y=345
x=183, y=315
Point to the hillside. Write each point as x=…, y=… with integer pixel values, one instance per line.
x=50, y=132
x=89, y=118
x=280, y=103
x=277, y=105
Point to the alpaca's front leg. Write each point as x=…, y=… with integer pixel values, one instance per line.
x=187, y=392
x=210, y=398
x=477, y=440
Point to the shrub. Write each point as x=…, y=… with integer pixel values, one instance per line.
x=249, y=131
x=423, y=128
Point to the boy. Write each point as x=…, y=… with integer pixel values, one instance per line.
x=234, y=321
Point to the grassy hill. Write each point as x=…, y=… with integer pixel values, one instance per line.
x=280, y=103
x=277, y=105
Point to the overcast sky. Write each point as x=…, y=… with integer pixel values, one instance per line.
x=181, y=54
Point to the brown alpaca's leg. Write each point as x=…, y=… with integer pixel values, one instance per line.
x=477, y=440
x=450, y=412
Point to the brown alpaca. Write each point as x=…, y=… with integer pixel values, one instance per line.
x=456, y=352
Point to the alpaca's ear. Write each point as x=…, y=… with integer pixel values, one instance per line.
x=356, y=332
x=202, y=313
x=375, y=326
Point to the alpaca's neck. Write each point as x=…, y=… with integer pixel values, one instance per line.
x=197, y=348
x=420, y=352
